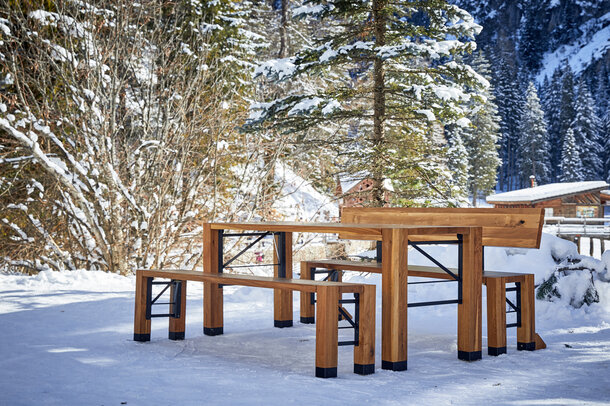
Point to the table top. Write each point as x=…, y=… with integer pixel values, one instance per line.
x=355, y=231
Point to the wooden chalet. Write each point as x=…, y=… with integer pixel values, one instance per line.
x=573, y=199
x=356, y=190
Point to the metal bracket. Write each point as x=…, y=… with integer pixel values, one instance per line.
x=516, y=307
x=354, y=322
x=175, y=302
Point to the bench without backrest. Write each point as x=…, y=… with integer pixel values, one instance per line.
x=500, y=227
x=328, y=296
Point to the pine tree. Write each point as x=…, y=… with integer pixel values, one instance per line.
x=457, y=163
x=380, y=77
x=552, y=112
x=605, y=137
x=509, y=103
x=586, y=128
x=533, y=144
x=481, y=140
x=533, y=40
x=571, y=167
x=567, y=102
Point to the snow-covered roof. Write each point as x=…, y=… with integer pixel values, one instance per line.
x=546, y=192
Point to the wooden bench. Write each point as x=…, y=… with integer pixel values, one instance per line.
x=329, y=301
x=501, y=227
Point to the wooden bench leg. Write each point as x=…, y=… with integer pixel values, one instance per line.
x=308, y=309
x=141, y=326
x=496, y=316
x=177, y=324
x=364, y=352
x=212, y=292
x=526, y=333
x=327, y=332
x=470, y=311
x=282, y=298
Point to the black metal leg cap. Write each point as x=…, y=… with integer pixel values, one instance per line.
x=469, y=355
x=526, y=346
x=308, y=320
x=495, y=351
x=394, y=366
x=212, y=331
x=173, y=335
x=326, y=372
x=364, y=369
x=141, y=337
x=282, y=323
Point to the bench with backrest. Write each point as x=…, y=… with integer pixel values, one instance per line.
x=500, y=227
x=329, y=308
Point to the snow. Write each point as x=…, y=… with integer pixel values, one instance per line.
x=579, y=54
x=66, y=339
x=545, y=192
x=299, y=200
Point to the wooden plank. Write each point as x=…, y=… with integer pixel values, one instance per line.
x=141, y=326
x=394, y=299
x=352, y=231
x=212, y=293
x=526, y=334
x=282, y=298
x=496, y=316
x=364, y=352
x=308, y=309
x=469, y=311
x=251, y=280
x=326, y=332
x=177, y=325
x=501, y=227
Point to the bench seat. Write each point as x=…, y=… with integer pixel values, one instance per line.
x=495, y=281
x=328, y=296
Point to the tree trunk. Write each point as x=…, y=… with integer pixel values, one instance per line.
x=283, y=52
x=379, y=21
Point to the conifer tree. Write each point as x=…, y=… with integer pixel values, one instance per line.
x=457, y=163
x=380, y=77
x=481, y=140
x=552, y=112
x=605, y=137
x=533, y=144
x=586, y=127
x=571, y=167
x=567, y=110
x=509, y=103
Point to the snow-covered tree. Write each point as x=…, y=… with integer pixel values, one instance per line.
x=457, y=162
x=510, y=104
x=552, y=111
x=605, y=137
x=533, y=147
x=571, y=166
x=481, y=140
x=118, y=127
x=379, y=78
x=567, y=102
x=586, y=127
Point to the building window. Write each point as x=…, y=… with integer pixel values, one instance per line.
x=548, y=212
x=585, y=211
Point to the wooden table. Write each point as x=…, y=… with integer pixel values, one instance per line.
x=394, y=239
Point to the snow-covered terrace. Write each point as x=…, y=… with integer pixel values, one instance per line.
x=546, y=192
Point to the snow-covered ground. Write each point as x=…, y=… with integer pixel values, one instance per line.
x=66, y=339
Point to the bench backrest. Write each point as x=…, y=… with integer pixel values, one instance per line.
x=521, y=227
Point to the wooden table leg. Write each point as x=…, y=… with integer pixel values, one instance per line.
x=212, y=292
x=469, y=311
x=308, y=309
x=526, y=339
x=141, y=326
x=282, y=298
x=364, y=352
x=496, y=316
x=394, y=299
x=327, y=334
x=177, y=325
